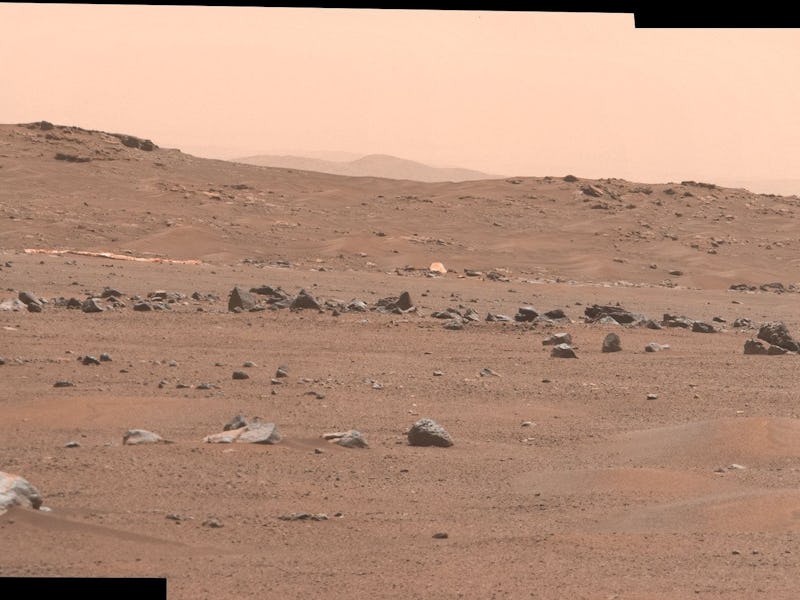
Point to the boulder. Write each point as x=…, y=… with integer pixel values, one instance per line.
x=427, y=432
x=526, y=314
x=596, y=312
x=612, y=343
x=563, y=351
x=304, y=300
x=240, y=300
x=754, y=347
x=777, y=334
x=92, y=305
x=259, y=433
x=17, y=491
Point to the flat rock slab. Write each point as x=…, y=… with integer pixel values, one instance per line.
x=427, y=432
x=252, y=433
x=655, y=347
x=17, y=491
x=133, y=437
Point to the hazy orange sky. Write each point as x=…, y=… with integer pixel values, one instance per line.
x=512, y=93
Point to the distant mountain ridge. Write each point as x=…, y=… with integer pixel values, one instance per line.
x=372, y=165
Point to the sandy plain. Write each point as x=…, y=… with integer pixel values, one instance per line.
x=564, y=479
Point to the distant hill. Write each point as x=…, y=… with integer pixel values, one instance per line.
x=372, y=165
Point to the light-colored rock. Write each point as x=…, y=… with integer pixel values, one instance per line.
x=17, y=491
x=141, y=436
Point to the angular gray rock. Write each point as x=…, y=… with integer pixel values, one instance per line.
x=700, y=327
x=472, y=315
x=29, y=298
x=357, y=306
x=240, y=300
x=404, y=302
x=454, y=324
x=777, y=334
x=240, y=375
x=612, y=343
x=92, y=305
x=347, y=439
x=556, y=313
x=596, y=312
x=427, y=432
x=304, y=300
x=563, y=351
x=259, y=433
x=754, y=347
x=141, y=436
x=557, y=338
x=676, y=321
x=17, y=491
x=526, y=314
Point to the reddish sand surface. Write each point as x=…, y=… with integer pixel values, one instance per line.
x=564, y=479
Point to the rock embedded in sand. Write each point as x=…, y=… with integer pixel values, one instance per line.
x=347, y=439
x=141, y=436
x=17, y=491
x=556, y=313
x=612, y=343
x=596, y=312
x=563, y=351
x=454, y=325
x=754, y=347
x=240, y=375
x=700, y=327
x=655, y=347
x=427, y=432
x=676, y=321
x=92, y=305
x=240, y=300
x=259, y=433
x=255, y=432
x=62, y=383
x=777, y=334
x=526, y=314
